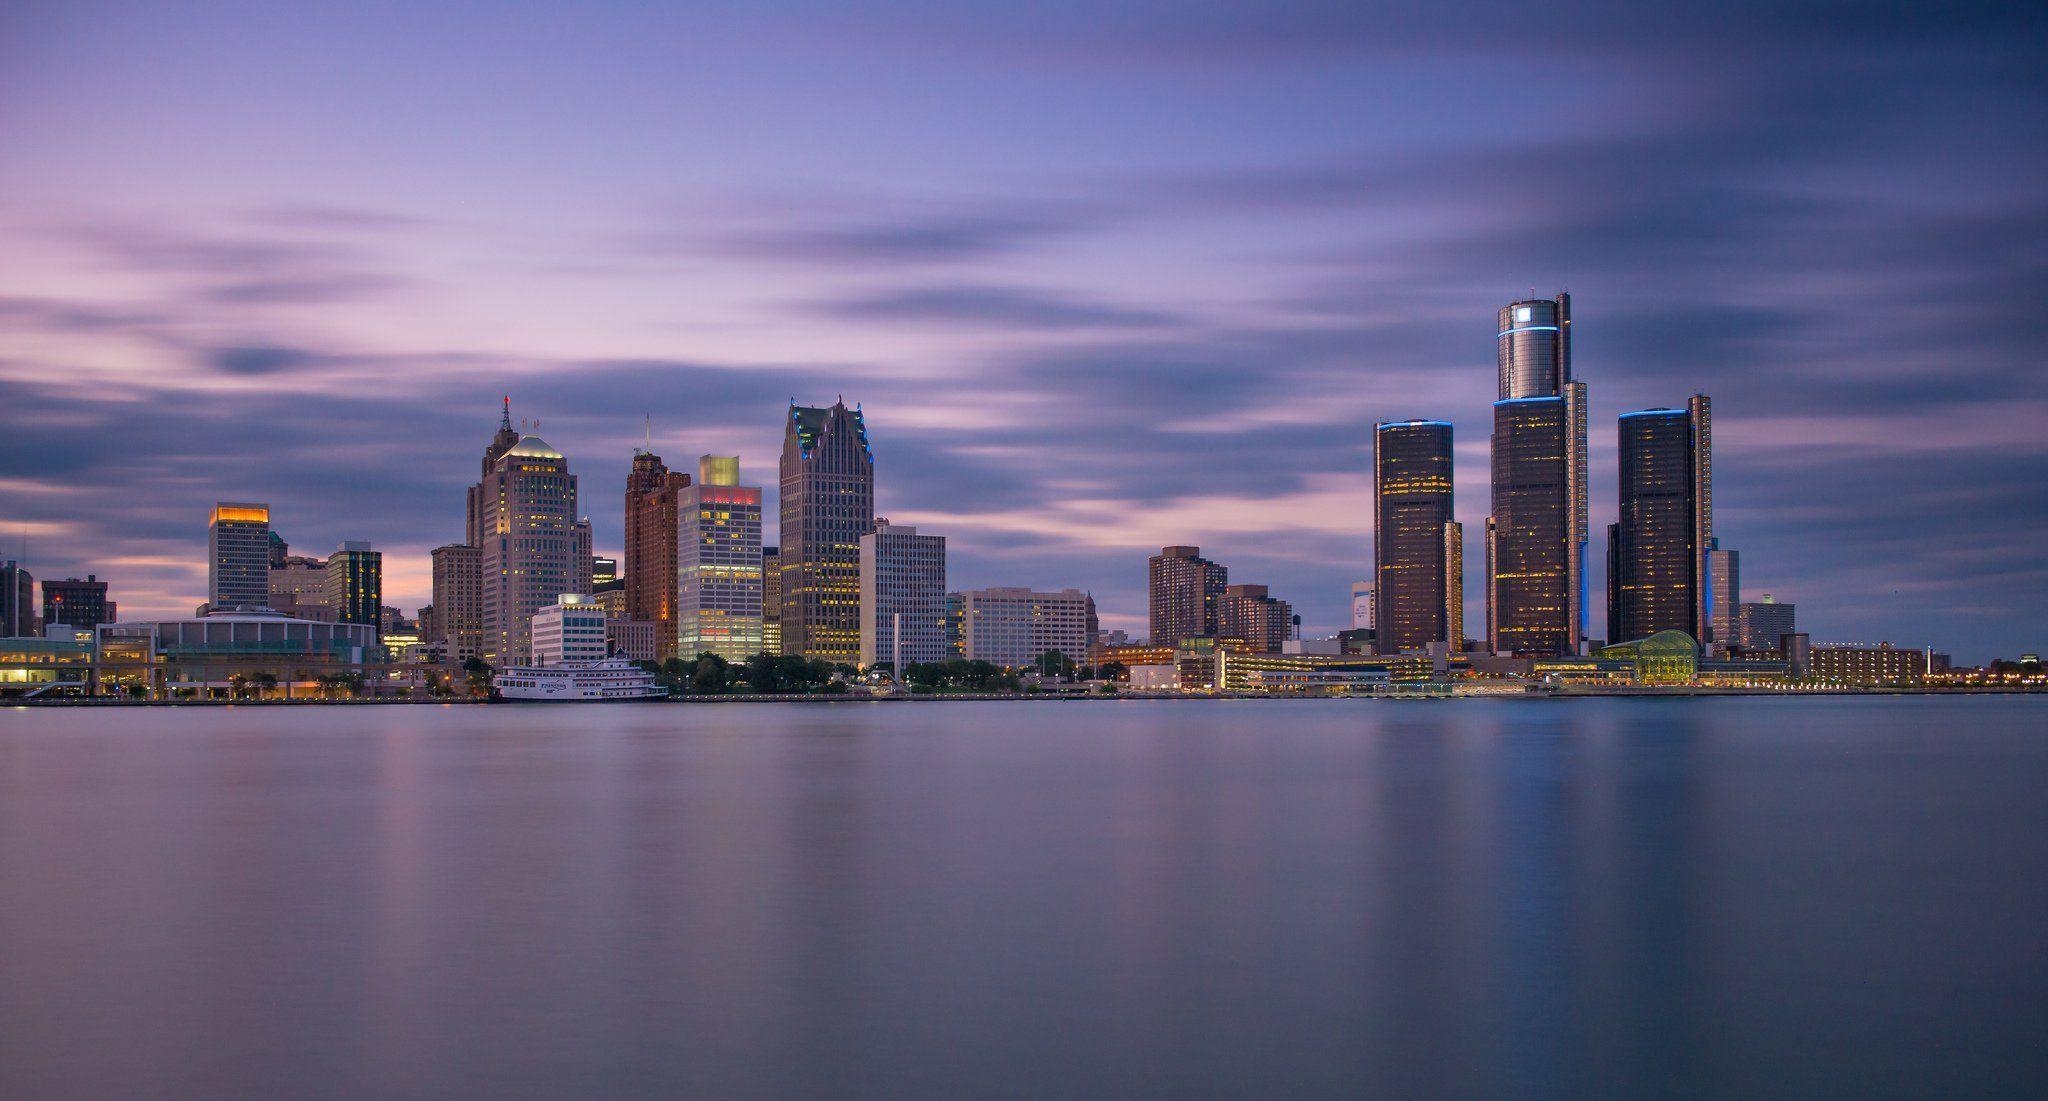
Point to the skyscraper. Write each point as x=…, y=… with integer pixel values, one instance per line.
x=1666, y=521
x=828, y=503
x=1763, y=624
x=238, y=556
x=1537, y=533
x=1724, y=597
x=355, y=584
x=771, y=600
x=530, y=552
x=458, y=600
x=1251, y=613
x=17, y=601
x=1185, y=589
x=81, y=604
x=902, y=596
x=651, y=527
x=501, y=442
x=718, y=563
x=1413, y=527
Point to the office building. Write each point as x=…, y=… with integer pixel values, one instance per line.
x=718, y=563
x=1361, y=606
x=1412, y=526
x=628, y=637
x=1658, y=547
x=80, y=604
x=238, y=556
x=1185, y=589
x=355, y=584
x=651, y=543
x=298, y=586
x=828, y=503
x=1012, y=627
x=1762, y=625
x=570, y=631
x=1880, y=665
x=1724, y=598
x=771, y=600
x=18, y=617
x=604, y=574
x=279, y=550
x=1537, y=532
x=902, y=597
x=458, y=601
x=1249, y=613
x=504, y=440
x=532, y=551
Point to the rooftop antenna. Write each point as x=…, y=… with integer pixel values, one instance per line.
x=506, y=421
x=649, y=432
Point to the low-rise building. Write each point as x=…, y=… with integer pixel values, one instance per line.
x=1882, y=665
x=633, y=639
x=571, y=631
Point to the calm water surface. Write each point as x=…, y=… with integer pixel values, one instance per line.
x=1729, y=897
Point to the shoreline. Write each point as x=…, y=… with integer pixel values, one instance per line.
x=1689, y=691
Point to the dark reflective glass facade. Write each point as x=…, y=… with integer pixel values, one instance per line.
x=1659, y=542
x=1412, y=524
x=1533, y=598
x=1536, y=535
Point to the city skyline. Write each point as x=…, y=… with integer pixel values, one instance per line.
x=1183, y=335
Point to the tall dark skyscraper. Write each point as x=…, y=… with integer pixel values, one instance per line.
x=1414, y=536
x=828, y=503
x=354, y=584
x=652, y=526
x=1536, y=537
x=17, y=601
x=1186, y=592
x=1657, y=558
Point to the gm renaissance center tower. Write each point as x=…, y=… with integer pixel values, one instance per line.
x=1536, y=536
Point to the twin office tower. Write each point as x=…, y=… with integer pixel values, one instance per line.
x=1537, y=534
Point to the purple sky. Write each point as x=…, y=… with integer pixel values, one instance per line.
x=1103, y=278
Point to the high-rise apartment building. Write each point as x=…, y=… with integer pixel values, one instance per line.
x=458, y=601
x=238, y=556
x=355, y=584
x=651, y=543
x=81, y=604
x=1724, y=598
x=828, y=503
x=1013, y=627
x=1413, y=526
x=1250, y=613
x=1762, y=625
x=17, y=602
x=902, y=596
x=1536, y=536
x=718, y=563
x=531, y=552
x=1657, y=559
x=1185, y=589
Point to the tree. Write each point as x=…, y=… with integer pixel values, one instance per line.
x=709, y=677
x=1052, y=663
x=477, y=672
x=1114, y=670
x=264, y=682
